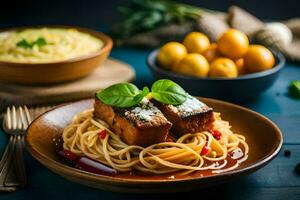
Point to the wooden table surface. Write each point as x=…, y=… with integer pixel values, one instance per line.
x=277, y=180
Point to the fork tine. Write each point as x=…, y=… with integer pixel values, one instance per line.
x=19, y=120
x=14, y=118
x=8, y=118
x=23, y=118
x=29, y=120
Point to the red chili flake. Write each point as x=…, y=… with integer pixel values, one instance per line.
x=204, y=151
x=102, y=134
x=68, y=156
x=217, y=134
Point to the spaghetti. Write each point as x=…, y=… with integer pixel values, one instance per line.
x=189, y=153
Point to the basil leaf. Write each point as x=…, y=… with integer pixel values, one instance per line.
x=122, y=95
x=40, y=42
x=168, y=92
x=138, y=98
x=28, y=45
x=24, y=43
x=294, y=89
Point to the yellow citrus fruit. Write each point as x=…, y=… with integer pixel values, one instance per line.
x=170, y=53
x=192, y=64
x=223, y=67
x=233, y=44
x=211, y=53
x=258, y=58
x=196, y=42
x=240, y=66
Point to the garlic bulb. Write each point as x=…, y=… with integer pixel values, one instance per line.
x=281, y=30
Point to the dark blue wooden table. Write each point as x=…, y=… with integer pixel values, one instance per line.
x=277, y=180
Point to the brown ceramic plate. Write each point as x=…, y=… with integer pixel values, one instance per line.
x=54, y=72
x=263, y=136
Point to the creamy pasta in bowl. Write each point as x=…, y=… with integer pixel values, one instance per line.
x=63, y=53
x=43, y=45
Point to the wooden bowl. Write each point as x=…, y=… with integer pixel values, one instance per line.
x=54, y=72
x=262, y=135
x=242, y=88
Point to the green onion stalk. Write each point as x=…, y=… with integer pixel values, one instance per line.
x=145, y=15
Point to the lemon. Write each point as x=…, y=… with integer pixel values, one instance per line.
x=170, y=53
x=233, y=44
x=240, y=66
x=223, y=67
x=258, y=58
x=192, y=65
x=196, y=42
x=211, y=53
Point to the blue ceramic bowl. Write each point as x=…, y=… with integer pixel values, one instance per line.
x=238, y=89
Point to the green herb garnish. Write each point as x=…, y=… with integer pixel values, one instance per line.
x=122, y=95
x=29, y=45
x=40, y=42
x=144, y=15
x=23, y=43
x=294, y=89
x=126, y=94
x=168, y=92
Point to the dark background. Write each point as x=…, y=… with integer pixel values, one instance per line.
x=99, y=14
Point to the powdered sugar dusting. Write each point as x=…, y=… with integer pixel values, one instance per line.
x=191, y=104
x=145, y=111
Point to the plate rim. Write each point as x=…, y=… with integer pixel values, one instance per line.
x=122, y=180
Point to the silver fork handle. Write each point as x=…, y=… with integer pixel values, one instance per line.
x=16, y=176
x=6, y=159
x=12, y=168
x=20, y=159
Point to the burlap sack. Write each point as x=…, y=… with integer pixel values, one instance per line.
x=212, y=25
x=254, y=28
x=240, y=19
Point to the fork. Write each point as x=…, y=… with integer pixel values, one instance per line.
x=12, y=168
